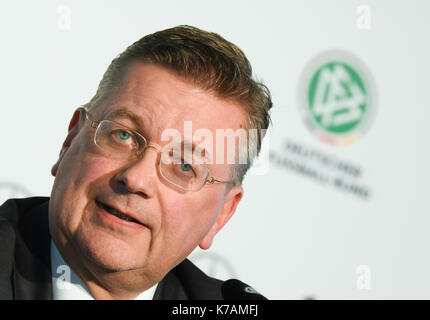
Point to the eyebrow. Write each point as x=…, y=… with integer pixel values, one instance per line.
x=196, y=148
x=123, y=112
x=126, y=113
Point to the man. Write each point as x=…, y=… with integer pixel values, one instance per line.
x=131, y=199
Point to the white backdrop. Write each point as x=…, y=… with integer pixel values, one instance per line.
x=293, y=236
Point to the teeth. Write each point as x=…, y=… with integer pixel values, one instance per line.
x=119, y=214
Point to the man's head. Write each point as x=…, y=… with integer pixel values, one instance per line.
x=164, y=79
x=209, y=62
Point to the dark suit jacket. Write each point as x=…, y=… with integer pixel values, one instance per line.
x=25, y=262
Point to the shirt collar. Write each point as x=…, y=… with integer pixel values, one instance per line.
x=66, y=285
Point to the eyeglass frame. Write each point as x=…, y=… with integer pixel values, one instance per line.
x=208, y=180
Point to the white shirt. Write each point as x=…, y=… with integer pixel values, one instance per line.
x=66, y=285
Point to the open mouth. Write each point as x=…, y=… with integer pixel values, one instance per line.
x=115, y=213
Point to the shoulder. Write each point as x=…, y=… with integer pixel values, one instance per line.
x=11, y=212
x=24, y=245
x=189, y=282
x=198, y=284
x=23, y=216
x=13, y=209
x=24, y=222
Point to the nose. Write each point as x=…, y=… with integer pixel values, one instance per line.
x=139, y=176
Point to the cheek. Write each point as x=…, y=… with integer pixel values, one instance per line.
x=188, y=217
x=73, y=187
x=91, y=171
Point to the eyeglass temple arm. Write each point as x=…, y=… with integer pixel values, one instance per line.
x=93, y=123
x=212, y=180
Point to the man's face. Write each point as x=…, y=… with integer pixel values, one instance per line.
x=172, y=222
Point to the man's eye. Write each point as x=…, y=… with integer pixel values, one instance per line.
x=186, y=167
x=123, y=135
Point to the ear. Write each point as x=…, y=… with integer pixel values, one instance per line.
x=229, y=207
x=73, y=131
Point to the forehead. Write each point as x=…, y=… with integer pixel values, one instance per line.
x=159, y=100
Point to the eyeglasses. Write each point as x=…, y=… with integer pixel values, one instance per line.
x=121, y=142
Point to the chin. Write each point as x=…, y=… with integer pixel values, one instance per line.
x=111, y=255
